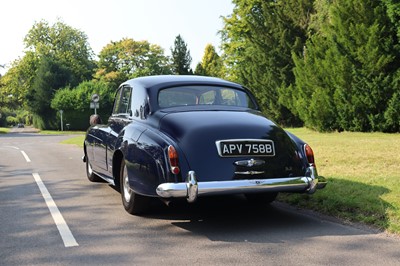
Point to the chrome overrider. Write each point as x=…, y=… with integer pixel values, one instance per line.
x=191, y=189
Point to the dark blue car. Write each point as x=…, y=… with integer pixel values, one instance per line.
x=186, y=137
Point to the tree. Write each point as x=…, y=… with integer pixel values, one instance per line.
x=17, y=81
x=55, y=56
x=211, y=64
x=199, y=70
x=126, y=59
x=65, y=44
x=51, y=76
x=393, y=12
x=181, y=58
x=259, y=39
x=75, y=102
x=348, y=75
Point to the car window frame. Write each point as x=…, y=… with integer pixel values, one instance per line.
x=117, y=100
x=251, y=105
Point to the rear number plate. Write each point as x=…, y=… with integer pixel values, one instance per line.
x=237, y=148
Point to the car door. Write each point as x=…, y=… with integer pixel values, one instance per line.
x=120, y=118
x=99, y=148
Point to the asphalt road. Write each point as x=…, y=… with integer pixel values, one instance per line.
x=50, y=214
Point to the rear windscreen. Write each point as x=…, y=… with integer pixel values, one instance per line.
x=203, y=95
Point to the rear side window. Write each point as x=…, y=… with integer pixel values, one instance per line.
x=122, y=100
x=204, y=95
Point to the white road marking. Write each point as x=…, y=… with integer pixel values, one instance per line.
x=13, y=147
x=23, y=153
x=65, y=232
x=26, y=157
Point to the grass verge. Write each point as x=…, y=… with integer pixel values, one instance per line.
x=4, y=130
x=78, y=141
x=363, y=173
x=57, y=132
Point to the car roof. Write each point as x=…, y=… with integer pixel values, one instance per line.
x=162, y=81
x=153, y=84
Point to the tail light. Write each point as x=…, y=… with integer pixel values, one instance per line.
x=173, y=160
x=309, y=154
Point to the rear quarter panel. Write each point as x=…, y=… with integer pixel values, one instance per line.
x=146, y=161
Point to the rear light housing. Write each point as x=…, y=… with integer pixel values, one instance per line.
x=173, y=160
x=310, y=155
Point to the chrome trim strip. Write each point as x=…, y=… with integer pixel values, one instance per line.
x=250, y=163
x=250, y=173
x=191, y=189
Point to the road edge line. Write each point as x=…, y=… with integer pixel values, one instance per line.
x=65, y=232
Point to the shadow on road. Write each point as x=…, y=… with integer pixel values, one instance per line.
x=234, y=219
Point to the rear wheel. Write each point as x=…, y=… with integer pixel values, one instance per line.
x=261, y=198
x=133, y=203
x=89, y=172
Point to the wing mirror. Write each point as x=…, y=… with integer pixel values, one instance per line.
x=94, y=120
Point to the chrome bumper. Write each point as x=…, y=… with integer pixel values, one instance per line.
x=191, y=189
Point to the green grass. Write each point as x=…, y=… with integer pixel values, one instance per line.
x=57, y=132
x=78, y=140
x=4, y=130
x=363, y=173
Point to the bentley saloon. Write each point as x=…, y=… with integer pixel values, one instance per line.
x=171, y=137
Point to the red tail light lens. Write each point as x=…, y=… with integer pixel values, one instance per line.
x=173, y=160
x=310, y=155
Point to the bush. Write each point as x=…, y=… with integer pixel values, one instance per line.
x=9, y=117
x=11, y=120
x=76, y=103
x=392, y=114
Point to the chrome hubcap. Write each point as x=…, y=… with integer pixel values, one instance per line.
x=126, y=189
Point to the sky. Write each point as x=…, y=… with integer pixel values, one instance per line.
x=157, y=21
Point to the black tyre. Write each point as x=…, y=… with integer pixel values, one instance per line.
x=261, y=198
x=89, y=172
x=133, y=203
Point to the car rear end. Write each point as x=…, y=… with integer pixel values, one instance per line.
x=229, y=151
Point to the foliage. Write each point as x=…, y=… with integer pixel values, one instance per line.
x=4, y=113
x=51, y=76
x=181, y=58
x=56, y=56
x=349, y=71
x=258, y=40
x=126, y=59
x=393, y=12
x=65, y=44
x=199, y=70
x=211, y=64
x=15, y=84
x=333, y=64
x=75, y=103
x=9, y=117
x=392, y=113
x=11, y=120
